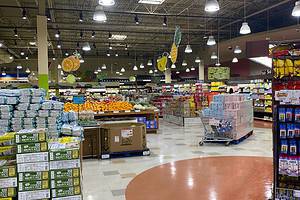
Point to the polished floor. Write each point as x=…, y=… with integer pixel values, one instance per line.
x=211, y=178
x=108, y=179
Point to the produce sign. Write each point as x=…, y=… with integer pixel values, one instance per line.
x=175, y=45
x=162, y=63
x=218, y=73
x=99, y=106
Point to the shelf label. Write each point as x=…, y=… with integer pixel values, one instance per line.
x=100, y=112
x=116, y=111
x=156, y=110
x=146, y=153
x=105, y=156
x=127, y=111
x=137, y=110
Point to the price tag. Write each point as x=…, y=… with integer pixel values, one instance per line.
x=146, y=153
x=127, y=111
x=105, y=156
x=100, y=112
x=137, y=111
x=116, y=111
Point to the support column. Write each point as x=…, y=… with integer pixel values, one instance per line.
x=42, y=47
x=168, y=76
x=201, y=71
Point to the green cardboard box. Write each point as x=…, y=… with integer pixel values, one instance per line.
x=30, y=138
x=33, y=185
x=61, y=183
x=64, y=173
x=32, y=147
x=64, y=154
x=8, y=192
x=33, y=176
x=8, y=171
x=64, y=192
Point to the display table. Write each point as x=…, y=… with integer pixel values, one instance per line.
x=149, y=117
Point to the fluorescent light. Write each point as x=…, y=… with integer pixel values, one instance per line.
x=266, y=61
x=99, y=69
x=135, y=68
x=188, y=49
x=155, y=2
x=142, y=66
x=86, y=47
x=212, y=6
x=177, y=72
x=214, y=56
x=103, y=66
x=237, y=50
x=193, y=69
x=235, y=60
x=296, y=10
x=19, y=67
x=184, y=63
x=123, y=69
x=173, y=66
x=96, y=72
x=197, y=60
x=211, y=41
x=155, y=70
x=187, y=70
x=3, y=73
x=118, y=37
x=121, y=74
x=107, y=2
x=146, y=80
x=245, y=29
x=32, y=43
x=99, y=14
x=81, y=60
x=22, y=53
x=117, y=72
x=218, y=64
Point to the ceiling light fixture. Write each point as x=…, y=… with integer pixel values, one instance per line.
x=235, y=60
x=155, y=70
x=96, y=72
x=118, y=37
x=103, y=66
x=142, y=66
x=27, y=70
x=237, y=50
x=48, y=15
x=136, y=19
x=11, y=57
x=245, y=29
x=22, y=53
x=59, y=45
x=193, y=69
x=187, y=70
x=109, y=35
x=212, y=6
x=1, y=44
x=24, y=14
x=150, y=71
x=117, y=72
x=214, y=56
x=99, y=69
x=149, y=62
x=165, y=21
x=197, y=60
x=108, y=54
x=188, y=49
x=126, y=47
x=177, y=72
x=296, y=10
x=81, y=60
x=110, y=47
x=99, y=14
x=218, y=64
x=154, y=2
x=173, y=66
x=16, y=32
x=57, y=34
x=80, y=16
x=81, y=34
x=32, y=43
x=26, y=57
x=123, y=69
x=86, y=47
x=117, y=55
x=211, y=41
x=93, y=34
x=107, y=2
x=121, y=74
x=58, y=66
x=67, y=54
x=184, y=63
x=53, y=58
x=135, y=68
x=19, y=67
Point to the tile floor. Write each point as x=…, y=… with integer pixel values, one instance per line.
x=108, y=179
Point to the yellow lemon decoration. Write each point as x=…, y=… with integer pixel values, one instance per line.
x=67, y=65
x=174, y=53
x=76, y=63
x=162, y=63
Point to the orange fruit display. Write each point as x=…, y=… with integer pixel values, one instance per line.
x=99, y=106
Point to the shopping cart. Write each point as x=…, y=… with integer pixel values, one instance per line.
x=216, y=129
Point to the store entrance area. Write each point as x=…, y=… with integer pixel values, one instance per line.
x=111, y=179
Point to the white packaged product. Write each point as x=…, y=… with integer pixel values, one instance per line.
x=29, y=120
x=58, y=105
x=4, y=122
x=31, y=113
x=25, y=92
x=10, y=93
x=47, y=105
x=3, y=100
x=29, y=126
x=17, y=121
x=66, y=129
x=16, y=128
x=35, y=106
x=52, y=120
x=32, y=157
x=55, y=113
x=8, y=182
x=72, y=116
x=22, y=106
x=12, y=100
x=19, y=113
x=44, y=126
x=32, y=167
x=77, y=131
x=34, y=195
x=37, y=100
x=38, y=92
x=44, y=113
x=5, y=108
x=25, y=99
x=41, y=120
x=6, y=115
x=65, y=164
x=77, y=197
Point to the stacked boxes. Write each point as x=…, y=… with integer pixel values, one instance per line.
x=32, y=164
x=150, y=124
x=65, y=172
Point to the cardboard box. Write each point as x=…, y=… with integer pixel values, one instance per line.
x=32, y=147
x=121, y=137
x=64, y=173
x=33, y=167
x=8, y=192
x=65, y=164
x=64, y=192
x=77, y=197
x=8, y=182
x=33, y=185
x=30, y=138
x=64, y=154
x=38, y=194
x=33, y=176
x=33, y=157
x=69, y=182
x=8, y=171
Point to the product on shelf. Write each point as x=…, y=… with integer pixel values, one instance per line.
x=183, y=107
x=99, y=106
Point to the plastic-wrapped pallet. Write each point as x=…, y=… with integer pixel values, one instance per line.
x=65, y=169
x=32, y=164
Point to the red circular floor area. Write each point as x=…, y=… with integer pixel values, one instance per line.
x=211, y=178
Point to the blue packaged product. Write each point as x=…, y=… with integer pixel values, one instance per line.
x=293, y=148
x=281, y=116
x=289, y=115
x=290, y=131
x=282, y=131
x=284, y=146
x=297, y=130
x=297, y=115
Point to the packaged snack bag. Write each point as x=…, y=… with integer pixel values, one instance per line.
x=282, y=114
x=293, y=148
x=283, y=164
x=290, y=131
x=289, y=114
x=284, y=147
x=297, y=115
x=282, y=131
x=297, y=130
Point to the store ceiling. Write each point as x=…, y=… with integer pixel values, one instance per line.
x=145, y=40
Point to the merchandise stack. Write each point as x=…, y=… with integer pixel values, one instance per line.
x=65, y=169
x=32, y=164
x=182, y=107
x=8, y=169
x=237, y=108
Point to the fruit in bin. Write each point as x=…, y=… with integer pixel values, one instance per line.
x=99, y=106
